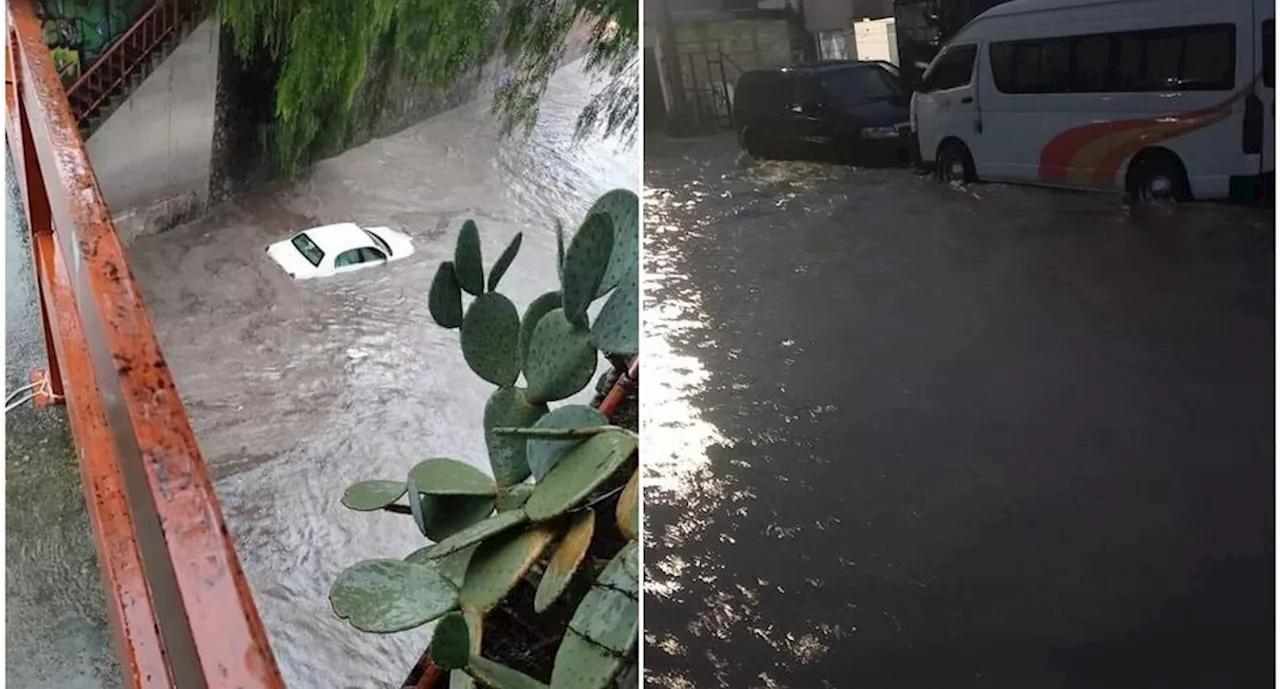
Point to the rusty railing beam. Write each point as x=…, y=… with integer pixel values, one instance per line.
x=131, y=430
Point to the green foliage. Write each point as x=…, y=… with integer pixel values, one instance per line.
x=324, y=49
x=480, y=555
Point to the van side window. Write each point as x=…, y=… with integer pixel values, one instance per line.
x=1195, y=58
x=953, y=69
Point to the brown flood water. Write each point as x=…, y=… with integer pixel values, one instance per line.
x=297, y=389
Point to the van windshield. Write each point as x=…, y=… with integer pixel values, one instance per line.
x=860, y=85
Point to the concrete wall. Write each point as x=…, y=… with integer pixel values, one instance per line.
x=152, y=156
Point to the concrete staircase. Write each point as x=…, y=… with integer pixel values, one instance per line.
x=118, y=72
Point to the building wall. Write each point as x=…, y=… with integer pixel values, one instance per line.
x=152, y=157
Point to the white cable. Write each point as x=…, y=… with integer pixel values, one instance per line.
x=23, y=389
x=44, y=388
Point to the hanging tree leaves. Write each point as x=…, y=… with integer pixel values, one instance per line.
x=323, y=49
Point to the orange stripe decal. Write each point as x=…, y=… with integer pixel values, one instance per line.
x=1083, y=153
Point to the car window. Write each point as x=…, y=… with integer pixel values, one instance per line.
x=859, y=85
x=371, y=255
x=953, y=69
x=347, y=258
x=308, y=248
x=381, y=244
x=804, y=90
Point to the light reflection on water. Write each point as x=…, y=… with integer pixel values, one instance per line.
x=866, y=396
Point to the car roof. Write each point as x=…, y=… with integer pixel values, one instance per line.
x=339, y=237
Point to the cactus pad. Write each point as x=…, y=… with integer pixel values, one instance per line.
x=498, y=564
x=372, y=495
x=504, y=261
x=623, y=208
x=584, y=265
x=491, y=339
x=537, y=309
x=617, y=328
x=561, y=359
x=445, y=298
x=451, y=642
x=604, y=629
x=578, y=473
x=446, y=515
x=475, y=533
x=509, y=407
x=468, y=263
x=385, y=596
x=515, y=497
x=543, y=453
x=453, y=567
x=565, y=560
x=444, y=476
x=627, y=512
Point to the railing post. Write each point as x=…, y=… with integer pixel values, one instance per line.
x=39, y=222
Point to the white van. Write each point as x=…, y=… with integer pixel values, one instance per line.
x=1156, y=98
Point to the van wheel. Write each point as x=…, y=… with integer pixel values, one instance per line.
x=1157, y=175
x=954, y=164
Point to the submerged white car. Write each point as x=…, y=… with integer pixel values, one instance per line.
x=340, y=248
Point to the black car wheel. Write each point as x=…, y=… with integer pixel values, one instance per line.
x=754, y=144
x=954, y=164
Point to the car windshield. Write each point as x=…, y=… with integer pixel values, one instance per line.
x=308, y=248
x=381, y=244
x=859, y=85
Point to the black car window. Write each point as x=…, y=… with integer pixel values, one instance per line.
x=953, y=69
x=859, y=85
x=371, y=255
x=804, y=90
x=347, y=258
x=308, y=249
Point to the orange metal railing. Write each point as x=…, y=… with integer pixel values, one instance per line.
x=179, y=604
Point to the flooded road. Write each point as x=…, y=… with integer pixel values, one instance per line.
x=296, y=390
x=56, y=629
x=905, y=435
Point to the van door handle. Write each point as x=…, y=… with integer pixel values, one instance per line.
x=967, y=99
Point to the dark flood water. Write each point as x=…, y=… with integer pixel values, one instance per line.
x=296, y=390
x=906, y=435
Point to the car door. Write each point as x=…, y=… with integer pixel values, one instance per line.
x=945, y=105
x=809, y=122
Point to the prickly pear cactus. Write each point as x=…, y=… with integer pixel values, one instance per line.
x=492, y=532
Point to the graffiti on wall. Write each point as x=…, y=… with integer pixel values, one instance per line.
x=79, y=31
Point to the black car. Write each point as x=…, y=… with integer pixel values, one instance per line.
x=848, y=110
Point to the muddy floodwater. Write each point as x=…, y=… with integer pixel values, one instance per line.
x=900, y=434
x=297, y=389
